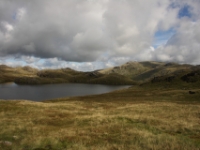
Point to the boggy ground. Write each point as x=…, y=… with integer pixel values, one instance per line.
x=138, y=118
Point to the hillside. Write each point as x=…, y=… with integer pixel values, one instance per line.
x=126, y=74
x=184, y=80
x=145, y=71
x=131, y=69
x=28, y=75
x=9, y=74
x=161, y=113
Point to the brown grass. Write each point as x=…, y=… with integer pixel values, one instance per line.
x=136, y=118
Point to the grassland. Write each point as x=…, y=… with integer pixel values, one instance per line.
x=139, y=118
x=157, y=113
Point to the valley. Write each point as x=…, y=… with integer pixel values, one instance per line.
x=161, y=110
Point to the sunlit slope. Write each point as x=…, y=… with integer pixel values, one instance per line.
x=9, y=74
x=131, y=69
x=71, y=76
x=145, y=71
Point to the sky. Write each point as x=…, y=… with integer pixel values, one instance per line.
x=88, y=35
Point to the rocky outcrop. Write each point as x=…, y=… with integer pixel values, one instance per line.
x=191, y=77
x=192, y=92
x=163, y=78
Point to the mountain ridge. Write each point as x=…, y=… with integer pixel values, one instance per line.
x=129, y=73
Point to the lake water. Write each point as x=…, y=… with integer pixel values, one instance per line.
x=51, y=91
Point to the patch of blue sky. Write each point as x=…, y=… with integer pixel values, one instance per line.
x=185, y=12
x=13, y=61
x=41, y=60
x=161, y=37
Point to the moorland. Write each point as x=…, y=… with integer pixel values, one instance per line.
x=161, y=110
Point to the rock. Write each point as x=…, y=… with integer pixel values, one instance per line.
x=6, y=143
x=15, y=137
x=191, y=92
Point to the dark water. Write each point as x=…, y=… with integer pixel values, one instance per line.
x=51, y=91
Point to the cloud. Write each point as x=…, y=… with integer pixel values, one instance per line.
x=8, y=27
x=81, y=30
x=20, y=13
x=68, y=30
x=103, y=31
x=184, y=45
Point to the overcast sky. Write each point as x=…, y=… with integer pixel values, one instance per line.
x=92, y=34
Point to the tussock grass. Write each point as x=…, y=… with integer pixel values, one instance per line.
x=136, y=118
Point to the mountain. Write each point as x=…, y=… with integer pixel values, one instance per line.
x=132, y=69
x=145, y=71
x=68, y=75
x=126, y=74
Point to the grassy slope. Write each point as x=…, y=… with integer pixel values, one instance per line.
x=129, y=69
x=9, y=74
x=145, y=71
x=155, y=115
x=141, y=117
x=163, y=70
x=128, y=73
x=27, y=75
